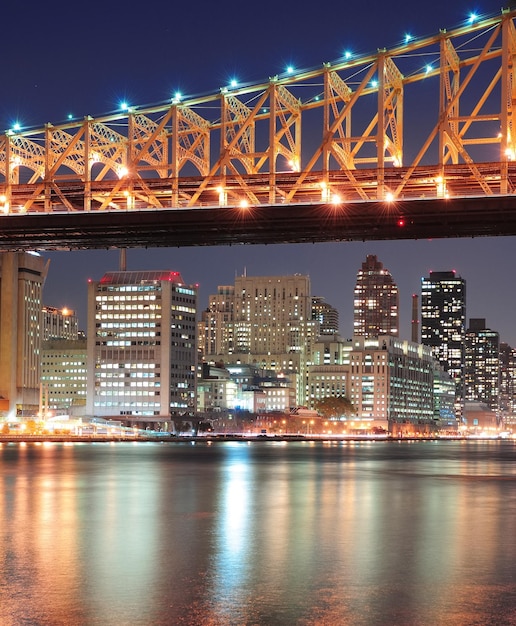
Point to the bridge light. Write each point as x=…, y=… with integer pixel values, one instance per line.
x=233, y=83
x=389, y=197
x=294, y=164
x=428, y=69
x=70, y=116
x=244, y=204
x=290, y=69
x=122, y=171
x=473, y=17
x=374, y=83
x=177, y=97
x=223, y=196
x=336, y=199
x=124, y=106
x=401, y=222
x=408, y=38
x=347, y=54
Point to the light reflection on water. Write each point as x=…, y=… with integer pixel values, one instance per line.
x=362, y=534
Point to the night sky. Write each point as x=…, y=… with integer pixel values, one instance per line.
x=60, y=59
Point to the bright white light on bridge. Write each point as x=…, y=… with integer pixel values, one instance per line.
x=347, y=54
x=177, y=97
x=294, y=165
x=374, y=83
x=124, y=106
x=408, y=38
x=336, y=199
x=244, y=204
x=290, y=69
x=223, y=196
x=389, y=197
x=70, y=116
x=473, y=17
x=233, y=83
x=428, y=69
x=122, y=171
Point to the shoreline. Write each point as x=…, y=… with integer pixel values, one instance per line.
x=224, y=438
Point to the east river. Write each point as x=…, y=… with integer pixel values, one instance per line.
x=262, y=533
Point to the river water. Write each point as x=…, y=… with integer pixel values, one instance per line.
x=262, y=533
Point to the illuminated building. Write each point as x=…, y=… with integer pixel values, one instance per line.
x=443, y=320
x=390, y=383
x=59, y=323
x=508, y=385
x=22, y=275
x=141, y=347
x=376, y=301
x=326, y=315
x=212, y=335
x=63, y=375
x=482, y=364
x=266, y=320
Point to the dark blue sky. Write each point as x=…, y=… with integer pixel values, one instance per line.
x=59, y=59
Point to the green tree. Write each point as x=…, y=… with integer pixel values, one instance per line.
x=334, y=406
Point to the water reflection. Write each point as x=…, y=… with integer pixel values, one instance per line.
x=261, y=533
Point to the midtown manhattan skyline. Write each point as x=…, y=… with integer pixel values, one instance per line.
x=77, y=75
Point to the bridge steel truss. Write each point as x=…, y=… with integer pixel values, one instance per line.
x=335, y=134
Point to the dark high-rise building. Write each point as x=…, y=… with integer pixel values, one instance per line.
x=482, y=364
x=443, y=321
x=507, y=378
x=326, y=315
x=376, y=301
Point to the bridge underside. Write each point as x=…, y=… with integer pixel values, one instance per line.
x=361, y=221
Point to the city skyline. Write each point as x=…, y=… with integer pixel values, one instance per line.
x=275, y=37
x=332, y=269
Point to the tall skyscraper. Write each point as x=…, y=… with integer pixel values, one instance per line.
x=443, y=321
x=142, y=351
x=22, y=275
x=482, y=364
x=376, y=301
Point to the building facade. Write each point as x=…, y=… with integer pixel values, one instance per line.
x=22, y=276
x=263, y=320
x=482, y=364
x=326, y=315
x=443, y=322
x=376, y=301
x=63, y=376
x=507, y=397
x=142, y=350
x=59, y=323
